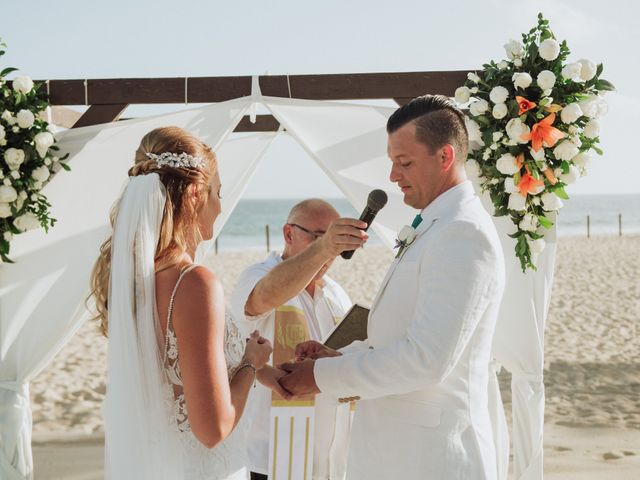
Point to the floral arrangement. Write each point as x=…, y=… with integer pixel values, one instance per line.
x=27, y=158
x=532, y=125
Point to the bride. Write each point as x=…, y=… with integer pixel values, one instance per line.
x=179, y=371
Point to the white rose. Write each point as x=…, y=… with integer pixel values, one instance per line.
x=571, y=113
x=503, y=65
x=529, y=223
x=566, y=150
x=43, y=141
x=592, y=129
x=582, y=160
x=507, y=164
x=551, y=202
x=22, y=84
x=5, y=210
x=521, y=80
x=472, y=168
x=510, y=186
x=25, y=119
x=475, y=135
x=462, y=94
x=536, y=246
x=3, y=133
x=8, y=117
x=6, y=182
x=593, y=106
x=549, y=49
x=499, y=94
x=571, y=176
x=516, y=129
x=14, y=157
x=517, y=202
x=494, y=146
x=40, y=174
x=8, y=194
x=537, y=156
x=588, y=70
x=517, y=62
x=15, y=174
x=27, y=221
x=514, y=49
x=486, y=155
x=546, y=79
x=407, y=235
x=571, y=71
x=478, y=107
x=473, y=77
x=473, y=90
x=8, y=236
x=500, y=110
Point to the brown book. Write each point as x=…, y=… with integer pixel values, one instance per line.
x=352, y=327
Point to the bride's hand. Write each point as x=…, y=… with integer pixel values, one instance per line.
x=269, y=376
x=257, y=351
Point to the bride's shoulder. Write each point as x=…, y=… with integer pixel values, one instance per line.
x=201, y=281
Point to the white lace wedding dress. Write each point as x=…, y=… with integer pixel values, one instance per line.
x=228, y=460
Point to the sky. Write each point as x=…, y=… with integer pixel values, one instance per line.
x=69, y=39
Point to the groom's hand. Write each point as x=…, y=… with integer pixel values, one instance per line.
x=299, y=379
x=313, y=350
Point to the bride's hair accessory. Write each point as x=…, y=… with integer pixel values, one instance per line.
x=176, y=160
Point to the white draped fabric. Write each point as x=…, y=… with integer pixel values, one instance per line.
x=41, y=295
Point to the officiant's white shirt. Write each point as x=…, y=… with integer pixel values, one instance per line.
x=422, y=375
x=332, y=420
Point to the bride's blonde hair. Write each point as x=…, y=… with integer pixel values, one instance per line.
x=179, y=229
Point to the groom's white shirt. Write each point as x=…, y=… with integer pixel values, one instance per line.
x=422, y=375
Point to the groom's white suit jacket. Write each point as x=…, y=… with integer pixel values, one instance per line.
x=422, y=375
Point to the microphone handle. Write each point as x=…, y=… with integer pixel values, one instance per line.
x=367, y=216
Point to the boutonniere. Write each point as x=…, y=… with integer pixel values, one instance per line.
x=406, y=236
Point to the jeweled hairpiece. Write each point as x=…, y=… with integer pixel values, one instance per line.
x=176, y=160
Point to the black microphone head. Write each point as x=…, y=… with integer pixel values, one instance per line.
x=377, y=199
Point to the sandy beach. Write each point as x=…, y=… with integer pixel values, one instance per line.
x=592, y=373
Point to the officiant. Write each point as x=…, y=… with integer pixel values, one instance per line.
x=290, y=292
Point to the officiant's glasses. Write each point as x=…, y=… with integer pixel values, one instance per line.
x=315, y=235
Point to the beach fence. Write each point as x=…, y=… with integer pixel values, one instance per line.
x=589, y=225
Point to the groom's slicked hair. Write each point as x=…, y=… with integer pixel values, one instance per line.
x=438, y=122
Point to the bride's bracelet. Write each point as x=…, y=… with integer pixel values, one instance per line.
x=252, y=367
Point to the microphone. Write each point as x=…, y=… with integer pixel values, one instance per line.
x=377, y=199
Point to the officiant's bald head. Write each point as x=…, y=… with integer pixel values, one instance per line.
x=308, y=220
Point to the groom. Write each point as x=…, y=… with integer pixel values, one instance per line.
x=422, y=375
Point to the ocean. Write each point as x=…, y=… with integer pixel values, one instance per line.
x=245, y=229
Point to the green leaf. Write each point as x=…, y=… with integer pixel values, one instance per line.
x=605, y=85
x=561, y=193
x=7, y=71
x=544, y=221
x=599, y=69
x=598, y=150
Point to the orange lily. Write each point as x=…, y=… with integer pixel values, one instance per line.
x=525, y=105
x=528, y=183
x=543, y=132
x=520, y=160
x=550, y=176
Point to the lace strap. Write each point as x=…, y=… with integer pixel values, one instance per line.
x=170, y=309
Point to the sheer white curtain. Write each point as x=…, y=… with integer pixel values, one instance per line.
x=42, y=294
